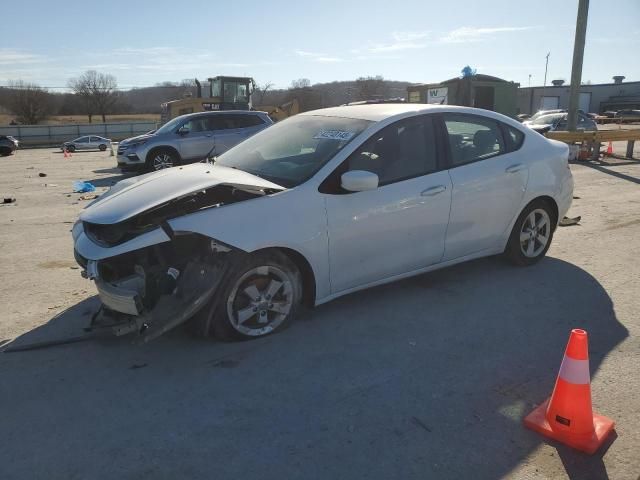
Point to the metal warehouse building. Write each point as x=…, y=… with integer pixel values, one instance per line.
x=596, y=98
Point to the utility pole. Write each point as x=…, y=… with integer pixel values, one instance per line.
x=576, y=67
x=544, y=84
x=529, y=80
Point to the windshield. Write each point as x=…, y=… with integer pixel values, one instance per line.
x=292, y=151
x=170, y=125
x=548, y=119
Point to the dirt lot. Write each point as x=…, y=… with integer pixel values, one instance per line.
x=426, y=378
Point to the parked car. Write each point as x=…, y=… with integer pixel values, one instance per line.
x=190, y=138
x=8, y=145
x=315, y=207
x=628, y=115
x=88, y=142
x=558, y=121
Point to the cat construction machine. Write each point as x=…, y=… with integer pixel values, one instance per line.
x=225, y=93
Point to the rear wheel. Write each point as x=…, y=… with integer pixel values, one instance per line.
x=71, y=148
x=532, y=234
x=102, y=147
x=260, y=297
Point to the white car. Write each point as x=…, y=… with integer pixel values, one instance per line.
x=88, y=142
x=315, y=207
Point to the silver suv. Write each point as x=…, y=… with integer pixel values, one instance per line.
x=189, y=138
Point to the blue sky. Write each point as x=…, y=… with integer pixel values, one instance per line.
x=145, y=42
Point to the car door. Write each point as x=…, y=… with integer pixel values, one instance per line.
x=196, y=139
x=489, y=176
x=81, y=143
x=228, y=132
x=398, y=227
x=94, y=143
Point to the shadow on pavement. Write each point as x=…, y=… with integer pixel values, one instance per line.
x=607, y=168
x=429, y=377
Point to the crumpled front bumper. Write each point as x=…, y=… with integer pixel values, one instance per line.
x=166, y=280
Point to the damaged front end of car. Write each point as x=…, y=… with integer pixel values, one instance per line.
x=149, y=277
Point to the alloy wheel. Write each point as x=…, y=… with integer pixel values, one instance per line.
x=162, y=161
x=260, y=301
x=535, y=233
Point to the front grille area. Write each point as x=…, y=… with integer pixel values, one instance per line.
x=80, y=259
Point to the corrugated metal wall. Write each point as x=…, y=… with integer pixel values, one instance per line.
x=42, y=135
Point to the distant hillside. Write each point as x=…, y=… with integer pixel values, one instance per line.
x=319, y=95
x=148, y=100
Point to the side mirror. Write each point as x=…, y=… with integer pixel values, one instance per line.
x=183, y=130
x=359, y=181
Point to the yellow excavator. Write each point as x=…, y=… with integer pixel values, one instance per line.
x=225, y=93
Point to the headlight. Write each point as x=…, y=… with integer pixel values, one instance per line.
x=136, y=145
x=76, y=230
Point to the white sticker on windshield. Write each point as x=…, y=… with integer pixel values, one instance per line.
x=333, y=135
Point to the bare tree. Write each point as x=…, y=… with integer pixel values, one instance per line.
x=370, y=88
x=28, y=102
x=98, y=92
x=261, y=90
x=300, y=83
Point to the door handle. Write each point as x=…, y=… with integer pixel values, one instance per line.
x=430, y=192
x=514, y=168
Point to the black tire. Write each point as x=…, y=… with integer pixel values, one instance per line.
x=71, y=148
x=216, y=319
x=102, y=148
x=152, y=162
x=518, y=251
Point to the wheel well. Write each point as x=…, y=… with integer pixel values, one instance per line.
x=552, y=205
x=308, y=278
x=155, y=150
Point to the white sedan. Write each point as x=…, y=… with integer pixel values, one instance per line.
x=317, y=206
x=88, y=142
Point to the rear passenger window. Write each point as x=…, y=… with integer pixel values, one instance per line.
x=514, y=138
x=245, y=121
x=472, y=138
x=400, y=151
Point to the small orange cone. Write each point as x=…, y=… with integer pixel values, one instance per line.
x=66, y=155
x=610, y=148
x=567, y=416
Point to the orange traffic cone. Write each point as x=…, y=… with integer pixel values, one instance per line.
x=66, y=155
x=567, y=416
x=610, y=148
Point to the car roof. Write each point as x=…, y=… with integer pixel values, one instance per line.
x=224, y=112
x=380, y=112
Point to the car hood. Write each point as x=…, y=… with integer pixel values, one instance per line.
x=133, y=196
x=139, y=138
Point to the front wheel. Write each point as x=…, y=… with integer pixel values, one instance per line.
x=531, y=235
x=102, y=148
x=260, y=297
x=161, y=159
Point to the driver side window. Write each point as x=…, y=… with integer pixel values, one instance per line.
x=403, y=150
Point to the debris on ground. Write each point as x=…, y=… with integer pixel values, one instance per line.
x=80, y=186
x=9, y=200
x=42, y=174
x=136, y=366
x=566, y=221
x=420, y=423
x=50, y=184
x=90, y=196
